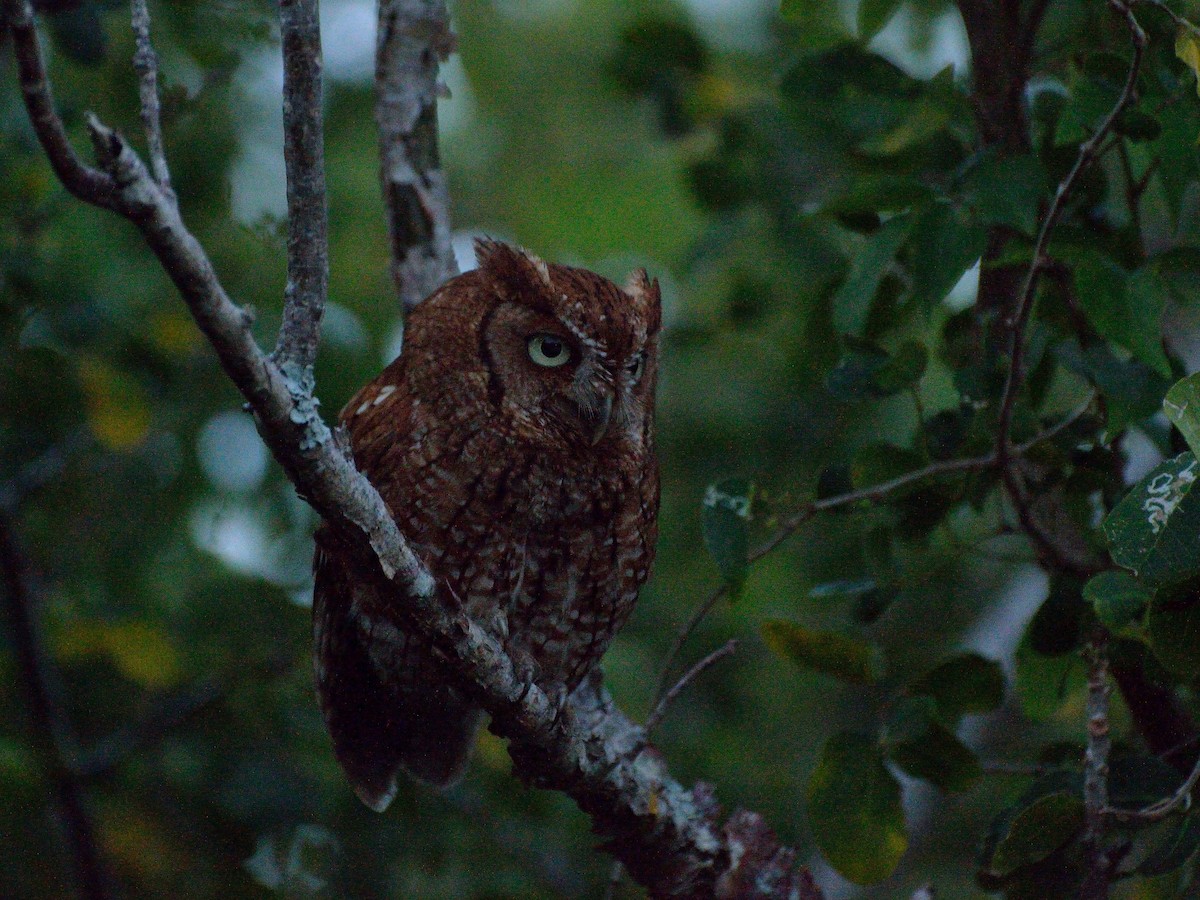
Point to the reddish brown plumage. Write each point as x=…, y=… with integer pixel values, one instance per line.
x=531, y=491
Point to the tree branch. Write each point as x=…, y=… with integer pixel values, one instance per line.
x=1095, y=772
x=668, y=837
x=413, y=36
x=1088, y=153
x=871, y=494
x=50, y=729
x=85, y=182
x=145, y=62
x=304, y=158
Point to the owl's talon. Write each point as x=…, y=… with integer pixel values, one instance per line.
x=558, y=695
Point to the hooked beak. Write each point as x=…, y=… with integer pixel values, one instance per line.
x=595, y=418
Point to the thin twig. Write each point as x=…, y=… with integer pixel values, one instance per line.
x=412, y=36
x=1160, y=809
x=1175, y=17
x=304, y=157
x=1095, y=770
x=88, y=184
x=51, y=735
x=664, y=704
x=1088, y=153
x=145, y=63
x=871, y=494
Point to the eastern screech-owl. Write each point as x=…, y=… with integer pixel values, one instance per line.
x=513, y=441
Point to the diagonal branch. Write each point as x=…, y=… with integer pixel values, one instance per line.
x=88, y=184
x=304, y=157
x=413, y=36
x=668, y=837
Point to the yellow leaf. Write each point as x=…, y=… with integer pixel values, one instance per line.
x=174, y=333
x=143, y=653
x=490, y=751
x=118, y=411
x=140, y=651
x=1187, y=48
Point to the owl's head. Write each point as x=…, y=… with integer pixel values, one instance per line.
x=571, y=358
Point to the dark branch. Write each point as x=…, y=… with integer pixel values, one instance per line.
x=660, y=710
x=413, y=36
x=85, y=182
x=50, y=731
x=304, y=156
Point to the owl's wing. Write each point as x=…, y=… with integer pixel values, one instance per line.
x=354, y=700
x=384, y=697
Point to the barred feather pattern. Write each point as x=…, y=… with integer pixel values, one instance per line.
x=530, y=491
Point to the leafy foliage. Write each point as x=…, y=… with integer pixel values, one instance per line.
x=843, y=222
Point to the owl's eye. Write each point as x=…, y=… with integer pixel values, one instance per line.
x=637, y=366
x=549, y=351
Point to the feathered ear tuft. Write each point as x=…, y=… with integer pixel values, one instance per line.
x=514, y=272
x=646, y=293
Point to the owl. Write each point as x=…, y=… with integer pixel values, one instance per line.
x=513, y=442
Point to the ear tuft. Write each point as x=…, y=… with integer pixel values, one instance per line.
x=512, y=270
x=646, y=293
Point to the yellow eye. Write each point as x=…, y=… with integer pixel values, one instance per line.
x=549, y=351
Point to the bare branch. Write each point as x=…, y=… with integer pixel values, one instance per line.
x=413, y=36
x=145, y=63
x=660, y=710
x=50, y=729
x=1088, y=153
x=1095, y=771
x=304, y=156
x=668, y=837
x=85, y=182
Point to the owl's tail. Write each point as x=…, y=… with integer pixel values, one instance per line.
x=385, y=701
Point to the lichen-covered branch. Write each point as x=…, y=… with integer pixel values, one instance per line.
x=668, y=837
x=145, y=62
x=304, y=159
x=413, y=37
x=1095, y=771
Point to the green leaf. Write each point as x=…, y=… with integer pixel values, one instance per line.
x=848, y=587
x=873, y=15
x=963, y=684
x=1046, y=684
x=817, y=23
x=1126, y=308
x=725, y=522
x=1055, y=627
x=827, y=652
x=1152, y=531
x=944, y=246
x=1131, y=390
x=1137, y=781
x=1187, y=48
x=1037, y=831
x=868, y=372
x=1173, y=627
x=1009, y=191
x=854, y=809
x=1117, y=597
x=925, y=748
x=1182, y=406
x=852, y=303
x=1175, y=850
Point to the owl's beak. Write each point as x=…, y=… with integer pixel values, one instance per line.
x=594, y=417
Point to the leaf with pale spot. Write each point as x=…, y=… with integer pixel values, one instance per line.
x=854, y=809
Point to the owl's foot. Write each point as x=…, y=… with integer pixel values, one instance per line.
x=526, y=668
x=558, y=695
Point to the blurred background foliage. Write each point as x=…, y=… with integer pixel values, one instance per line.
x=791, y=178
